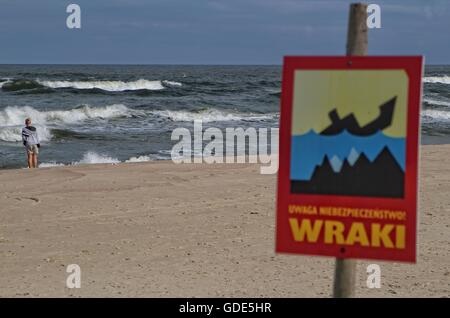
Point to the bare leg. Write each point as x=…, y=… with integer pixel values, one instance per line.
x=30, y=160
x=35, y=160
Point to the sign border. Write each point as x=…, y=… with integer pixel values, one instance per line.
x=413, y=67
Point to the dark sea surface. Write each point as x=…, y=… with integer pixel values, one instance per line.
x=101, y=113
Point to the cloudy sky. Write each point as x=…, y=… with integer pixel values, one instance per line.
x=212, y=31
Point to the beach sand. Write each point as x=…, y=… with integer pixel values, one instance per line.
x=165, y=230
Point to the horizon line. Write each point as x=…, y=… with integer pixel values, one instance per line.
x=152, y=64
x=173, y=64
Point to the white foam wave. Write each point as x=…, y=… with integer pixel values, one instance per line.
x=110, y=86
x=11, y=134
x=431, y=115
x=210, y=115
x=3, y=83
x=50, y=164
x=13, y=117
x=437, y=102
x=160, y=156
x=172, y=83
x=139, y=159
x=89, y=157
x=14, y=134
x=437, y=79
x=92, y=157
x=87, y=112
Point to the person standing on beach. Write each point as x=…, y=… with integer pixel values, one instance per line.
x=31, y=142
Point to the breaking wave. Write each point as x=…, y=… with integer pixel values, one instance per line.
x=437, y=79
x=13, y=117
x=91, y=157
x=431, y=115
x=4, y=81
x=18, y=85
x=172, y=83
x=212, y=115
x=109, y=86
x=436, y=102
x=139, y=159
x=14, y=134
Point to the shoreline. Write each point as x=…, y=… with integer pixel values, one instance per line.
x=158, y=229
x=425, y=141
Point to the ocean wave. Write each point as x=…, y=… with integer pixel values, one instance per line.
x=3, y=82
x=10, y=134
x=110, y=86
x=211, y=115
x=92, y=157
x=14, y=134
x=13, y=117
x=437, y=79
x=436, y=102
x=139, y=159
x=432, y=115
x=18, y=85
x=276, y=94
x=51, y=164
x=172, y=83
x=89, y=157
x=86, y=112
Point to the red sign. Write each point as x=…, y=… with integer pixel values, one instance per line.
x=349, y=134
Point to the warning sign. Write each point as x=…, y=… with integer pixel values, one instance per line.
x=348, y=157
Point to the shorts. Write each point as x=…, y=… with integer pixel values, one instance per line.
x=32, y=149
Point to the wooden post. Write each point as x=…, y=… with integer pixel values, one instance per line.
x=344, y=278
x=357, y=42
x=357, y=39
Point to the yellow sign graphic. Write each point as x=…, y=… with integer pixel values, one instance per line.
x=358, y=92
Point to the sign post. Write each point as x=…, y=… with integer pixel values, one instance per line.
x=357, y=43
x=348, y=158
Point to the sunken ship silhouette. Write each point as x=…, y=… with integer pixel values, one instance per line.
x=382, y=177
x=350, y=123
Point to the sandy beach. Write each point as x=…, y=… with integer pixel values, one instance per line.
x=165, y=230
